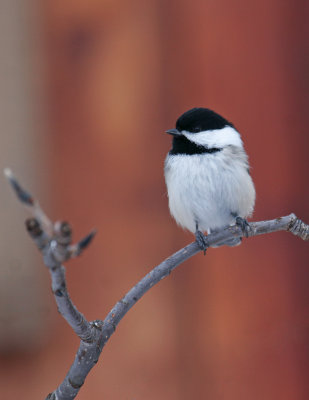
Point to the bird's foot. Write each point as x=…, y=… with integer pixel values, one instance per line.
x=244, y=226
x=201, y=240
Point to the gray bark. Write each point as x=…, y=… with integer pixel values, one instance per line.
x=54, y=241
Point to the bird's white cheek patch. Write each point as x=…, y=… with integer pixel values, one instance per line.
x=217, y=138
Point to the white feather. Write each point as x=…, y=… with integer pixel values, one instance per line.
x=210, y=189
x=217, y=138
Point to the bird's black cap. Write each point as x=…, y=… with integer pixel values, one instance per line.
x=201, y=119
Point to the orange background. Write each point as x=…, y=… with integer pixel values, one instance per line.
x=233, y=324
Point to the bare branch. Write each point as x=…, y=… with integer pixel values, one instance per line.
x=56, y=248
x=289, y=223
x=108, y=326
x=53, y=240
x=26, y=198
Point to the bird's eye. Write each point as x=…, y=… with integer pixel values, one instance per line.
x=196, y=129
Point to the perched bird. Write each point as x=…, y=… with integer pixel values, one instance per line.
x=207, y=175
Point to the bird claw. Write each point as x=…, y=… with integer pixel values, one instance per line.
x=201, y=240
x=244, y=226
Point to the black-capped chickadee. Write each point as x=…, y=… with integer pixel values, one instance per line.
x=207, y=175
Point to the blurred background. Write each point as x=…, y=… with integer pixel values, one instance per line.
x=87, y=88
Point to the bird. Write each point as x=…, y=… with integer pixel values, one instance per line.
x=207, y=175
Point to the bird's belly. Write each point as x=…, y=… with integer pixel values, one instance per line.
x=208, y=192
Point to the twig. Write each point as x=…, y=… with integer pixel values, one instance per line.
x=54, y=241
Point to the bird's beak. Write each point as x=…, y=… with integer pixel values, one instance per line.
x=174, y=132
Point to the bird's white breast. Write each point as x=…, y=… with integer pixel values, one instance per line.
x=209, y=189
